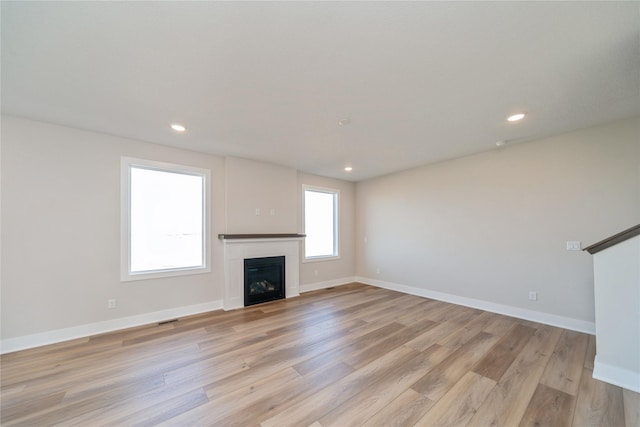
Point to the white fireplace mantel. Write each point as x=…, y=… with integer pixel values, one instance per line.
x=237, y=248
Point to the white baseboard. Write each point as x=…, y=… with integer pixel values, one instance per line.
x=617, y=376
x=326, y=284
x=520, y=313
x=10, y=345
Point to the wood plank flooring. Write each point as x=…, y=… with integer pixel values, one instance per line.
x=354, y=355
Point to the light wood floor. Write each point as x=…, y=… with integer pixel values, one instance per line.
x=350, y=356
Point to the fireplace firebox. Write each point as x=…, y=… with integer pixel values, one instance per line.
x=264, y=280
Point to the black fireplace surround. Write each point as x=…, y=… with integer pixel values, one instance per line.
x=264, y=280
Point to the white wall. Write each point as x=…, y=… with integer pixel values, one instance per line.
x=60, y=248
x=617, y=292
x=318, y=274
x=61, y=230
x=491, y=227
x=260, y=186
x=488, y=227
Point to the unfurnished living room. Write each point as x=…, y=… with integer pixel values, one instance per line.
x=325, y=213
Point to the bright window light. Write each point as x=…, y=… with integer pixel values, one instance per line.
x=166, y=221
x=320, y=223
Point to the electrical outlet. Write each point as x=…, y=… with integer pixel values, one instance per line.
x=112, y=303
x=533, y=296
x=257, y=211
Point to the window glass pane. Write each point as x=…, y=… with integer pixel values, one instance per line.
x=166, y=220
x=319, y=223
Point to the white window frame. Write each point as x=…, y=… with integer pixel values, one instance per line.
x=336, y=223
x=126, y=163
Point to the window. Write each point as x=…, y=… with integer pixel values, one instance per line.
x=164, y=220
x=320, y=223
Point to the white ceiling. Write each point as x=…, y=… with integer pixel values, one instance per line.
x=420, y=81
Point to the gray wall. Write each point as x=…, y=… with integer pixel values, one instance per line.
x=257, y=186
x=490, y=227
x=494, y=226
x=314, y=274
x=61, y=228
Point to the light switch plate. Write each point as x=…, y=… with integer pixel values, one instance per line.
x=574, y=246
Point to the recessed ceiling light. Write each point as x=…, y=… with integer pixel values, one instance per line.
x=178, y=127
x=500, y=143
x=344, y=122
x=348, y=169
x=516, y=117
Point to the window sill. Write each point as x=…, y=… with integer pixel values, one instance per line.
x=162, y=274
x=321, y=259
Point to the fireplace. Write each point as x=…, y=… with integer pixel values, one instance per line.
x=238, y=247
x=264, y=279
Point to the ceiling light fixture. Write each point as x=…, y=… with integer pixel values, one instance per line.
x=344, y=122
x=500, y=143
x=516, y=117
x=178, y=127
x=348, y=169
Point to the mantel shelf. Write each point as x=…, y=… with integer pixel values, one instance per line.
x=260, y=236
x=614, y=240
